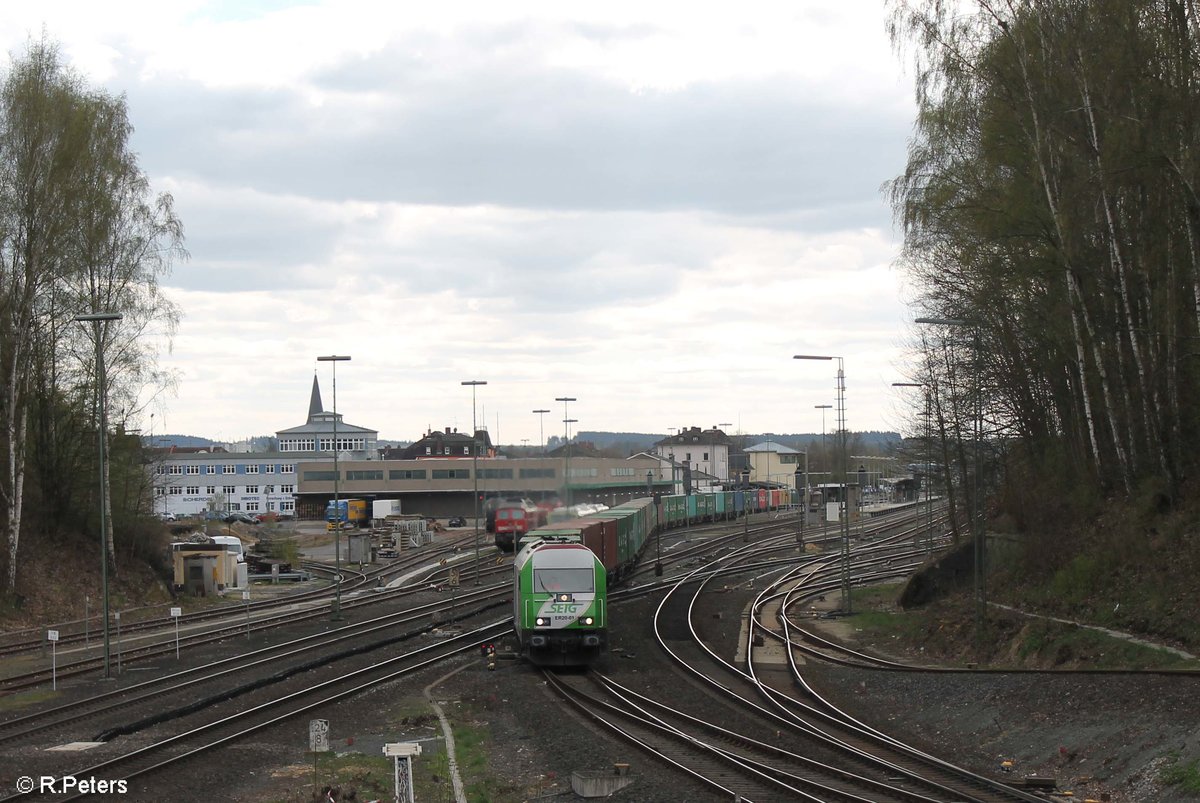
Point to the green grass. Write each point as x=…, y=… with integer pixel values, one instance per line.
x=1055, y=644
x=12, y=702
x=1184, y=776
x=370, y=776
x=1035, y=642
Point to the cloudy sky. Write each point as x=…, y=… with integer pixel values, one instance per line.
x=647, y=206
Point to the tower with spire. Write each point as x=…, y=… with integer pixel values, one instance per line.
x=314, y=437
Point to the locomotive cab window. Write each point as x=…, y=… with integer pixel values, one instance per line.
x=578, y=580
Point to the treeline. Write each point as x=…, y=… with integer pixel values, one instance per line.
x=1051, y=212
x=80, y=234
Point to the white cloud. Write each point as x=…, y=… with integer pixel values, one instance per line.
x=648, y=206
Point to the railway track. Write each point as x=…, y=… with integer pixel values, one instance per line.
x=134, y=764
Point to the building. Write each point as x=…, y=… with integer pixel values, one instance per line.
x=449, y=444
x=704, y=453
x=773, y=463
x=444, y=486
x=190, y=482
x=430, y=477
x=315, y=436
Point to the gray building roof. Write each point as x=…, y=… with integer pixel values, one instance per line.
x=772, y=446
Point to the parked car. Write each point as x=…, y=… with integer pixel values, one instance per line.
x=241, y=518
x=457, y=521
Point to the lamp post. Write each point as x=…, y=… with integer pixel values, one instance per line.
x=336, y=611
x=841, y=423
x=977, y=434
x=567, y=421
x=926, y=457
x=96, y=320
x=541, y=414
x=474, y=383
x=824, y=454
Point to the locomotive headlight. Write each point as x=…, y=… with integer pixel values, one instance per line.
x=540, y=622
x=587, y=620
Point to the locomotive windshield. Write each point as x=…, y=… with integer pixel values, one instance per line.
x=573, y=580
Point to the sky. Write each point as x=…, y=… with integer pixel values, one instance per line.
x=647, y=206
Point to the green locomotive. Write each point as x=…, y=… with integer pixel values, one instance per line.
x=560, y=602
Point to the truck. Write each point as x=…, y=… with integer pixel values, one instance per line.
x=382, y=508
x=348, y=513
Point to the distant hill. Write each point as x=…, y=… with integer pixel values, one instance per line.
x=629, y=442
x=167, y=441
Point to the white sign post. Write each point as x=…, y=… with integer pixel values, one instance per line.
x=52, y=637
x=404, y=785
x=318, y=742
x=246, y=599
x=318, y=735
x=175, y=614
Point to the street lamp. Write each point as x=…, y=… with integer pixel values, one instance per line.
x=976, y=503
x=567, y=421
x=474, y=383
x=841, y=423
x=541, y=414
x=926, y=453
x=97, y=319
x=336, y=612
x=823, y=408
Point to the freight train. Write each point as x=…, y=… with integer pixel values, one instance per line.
x=614, y=538
x=560, y=593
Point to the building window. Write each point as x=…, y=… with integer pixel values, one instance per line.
x=287, y=489
x=267, y=489
x=373, y=474
x=406, y=474
x=705, y=456
x=251, y=507
x=192, y=490
x=451, y=474
x=287, y=468
x=446, y=450
x=229, y=470
x=495, y=474
x=251, y=489
x=160, y=491
x=193, y=469
x=287, y=506
x=319, y=476
x=252, y=469
x=427, y=451
x=466, y=450
x=269, y=468
x=623, y=472
x=212, y=470
x=228, y=490
x=235, y=507
x=174, y=469
x=791, y=459
x=583, y=472
x=536, y=473
x=175, y=490
x=210, y=489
